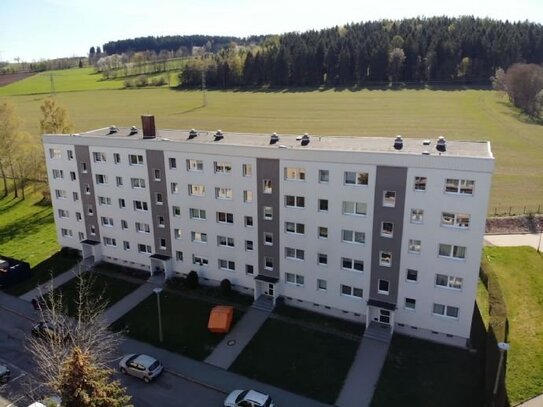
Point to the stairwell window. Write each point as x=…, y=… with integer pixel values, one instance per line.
x=267, y=186
x=268, y=263
x=452, y=251
x=267, y=212
x=387, y=229
x=389, y=199
x=385, y=259
x=383, y=287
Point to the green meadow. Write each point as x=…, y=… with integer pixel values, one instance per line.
x=458, y=114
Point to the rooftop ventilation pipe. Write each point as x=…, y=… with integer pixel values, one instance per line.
x=274, y=138
x=398, y=143
x=113, y=129
x=441, y=145
x=305, y=139
x=192, y=134
x=133, y=130
x=148, y=125
x=219, y=135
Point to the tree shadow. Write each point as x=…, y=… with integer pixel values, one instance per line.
x=11, y=204
x=26, y=226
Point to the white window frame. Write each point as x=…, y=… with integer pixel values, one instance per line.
x=296, y=227
x=417, y=216
x=407, y=279
x=141, y=206
x=227, y=265
x=445, y=309
x=414, y=246
x=247, y=170
x=294, y=279
x=222, y=167
x=353, y=264
x=267, y=186
x=198, y=237
x=197, y=190
x=296, y=202
x=455, y=220
x=352, y=208
x=420, y=183
x=389, y=199
x=451, y=283
x=383, y=255
x=381, y=291
x=294, y=174
x=225, y=241
x=320, y=286
x=292, y=253
x=135, y=159
x=225, y=217
x=361, y=178
x=451, y=251
x=202, y=261
x=458, y=186
x=223, y=193
x=98, y=156
x=324, y=176
x=353, y=237
x=352, y=291
x=195, y=165
x=197, y=214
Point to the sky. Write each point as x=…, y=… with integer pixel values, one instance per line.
x=39, y=29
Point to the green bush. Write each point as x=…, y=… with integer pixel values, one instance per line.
x=192, y=280
x=226, y=287
x=158, y=81
x=141, y=81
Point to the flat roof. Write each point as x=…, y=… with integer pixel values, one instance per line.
x=316, y=142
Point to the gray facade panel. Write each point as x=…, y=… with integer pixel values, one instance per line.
x=268, y=169
x=86, y=185
x=155, y=161
x=387, y=179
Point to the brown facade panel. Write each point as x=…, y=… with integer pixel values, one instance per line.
x=88, y=198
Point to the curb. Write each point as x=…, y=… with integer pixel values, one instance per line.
x=17, y=313
x=193, y=380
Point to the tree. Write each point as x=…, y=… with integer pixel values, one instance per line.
x=28, y=155
x=396, y=59
x=524, y=86
x=73, y=360
x=9, y=131
x=56, y=119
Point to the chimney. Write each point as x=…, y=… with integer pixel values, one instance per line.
x=148, y=125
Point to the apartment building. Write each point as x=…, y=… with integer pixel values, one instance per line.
x=385, y=230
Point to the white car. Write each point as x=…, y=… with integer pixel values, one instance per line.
x=248, y=398
x=4, y=374
x=142, y=366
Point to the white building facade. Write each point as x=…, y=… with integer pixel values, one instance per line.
x=367, y=229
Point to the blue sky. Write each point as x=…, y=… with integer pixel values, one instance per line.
x=34, y=29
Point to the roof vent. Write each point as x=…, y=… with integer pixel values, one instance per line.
x=425, y=142
x=133, y=130
x=192, y=134
x=148, y=125
x=425, y=152
x=274, y=138
x=398, y=143
x=218, y=135
x=113, y=129
x=441, y=145
x=305, y=139
x=282, y=146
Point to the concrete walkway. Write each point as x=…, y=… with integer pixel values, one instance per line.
x=120, y=308
x=52, y=284
x=535, y=402
x=233, y=344
x=364, y=374
x=526, y=239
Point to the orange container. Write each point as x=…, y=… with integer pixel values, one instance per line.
x=220, y=319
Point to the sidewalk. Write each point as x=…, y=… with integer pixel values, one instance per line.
x=535, y=402
x=526, y=239
x=129, y=302
x=56, y=282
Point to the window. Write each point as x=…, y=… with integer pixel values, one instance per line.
x=456, y=220
x=75, y=196
x=55, y=153
x=124, y=224
x=78, y=216
x=177, y=234
x=387, y=229
x=383, y=287
x=140, y=206
x=70, y=154
x=459, y=186
x=385, y=259
x=322, y=232
x=225, y=241
x=350, y=291
x=122, y=203
x=298, y=228
x=321, y=284
x=66, y=232
x=101, y=179
x=176, y=211
x=247, y=170
x=389, y=199
x=268, y=212
x=453, y=282
x=134, y=159
x=142, y=227
x=352, y=264
x=84, y=167
x=178, y=255
x=58, y=174
x=355, y=178
x=417, y=215
x=63, y=213
x=107, y=222
x=81, y=236
x=144, y=248
x=92, y=230
x=157, y=174
x=200, y=260
x=445, y=311
x=99, y=157
x=104, y=200
x=223, y=193
x=295, y=279
x=267, y=186
x=197, y=190
x=225, y=217
x=412, y=275
x=172, y=162
x=109, y=241
x=268, y=238
x=60, y=194
x=198, y=237
x=249, y=269
x=161, y=222
x=247, y=196
x=174, y=187
x=420, y=184
x=414, y=246
x=126, y=245
x=222, y=167
x=323, y=205
x=352, y=236
x=268, y=263
x=452, y=251
x=248, y=221
x=324, y=176
x=90, y=210
x=249, y=245
x=292, y=201
x=73, y=177
x=163, y=244
x=197, y=214
x=119, y=181
x=294, y=254
x=354, y=208
x=294, y=174
x=116, y=158
x=410, y=303
x=322, y=259
x=227, y=265
x=195, y=165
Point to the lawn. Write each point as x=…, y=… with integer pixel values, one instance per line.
x=301, y=360
x=456, y=114
x=112, y=289
x=418, y=373
x=184, y=323
x=520, y=274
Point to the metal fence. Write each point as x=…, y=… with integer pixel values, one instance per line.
x=515, y=210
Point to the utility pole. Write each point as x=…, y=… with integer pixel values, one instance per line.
x=52, y=80
x=204, y=87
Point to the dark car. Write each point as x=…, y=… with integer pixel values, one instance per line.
x=46, y=330
x=4, y=374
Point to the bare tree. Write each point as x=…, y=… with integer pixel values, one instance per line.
x=56, y=119
x=9, y=130
x=396, y=59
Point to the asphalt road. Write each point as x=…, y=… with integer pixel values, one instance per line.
x=168, y=390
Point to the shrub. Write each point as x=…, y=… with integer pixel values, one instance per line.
x=226, y=286
x=158, y=81
x=141, y=81
x=128, y=83
x=192, y=280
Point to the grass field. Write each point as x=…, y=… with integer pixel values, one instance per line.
x=520, y=274
x=456, y=114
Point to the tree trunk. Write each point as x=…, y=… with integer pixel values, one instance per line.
x=15, y=189
x=3, y=174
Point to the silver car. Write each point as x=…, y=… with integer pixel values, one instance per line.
x=141, y=366
x=4, y=374
x=248, y=398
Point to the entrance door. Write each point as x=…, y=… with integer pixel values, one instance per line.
x=384, y=316
x=271, y=289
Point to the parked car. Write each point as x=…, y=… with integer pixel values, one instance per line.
x=248, y=398
x=142, y=366
x=5, y=373
x=44, y=330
